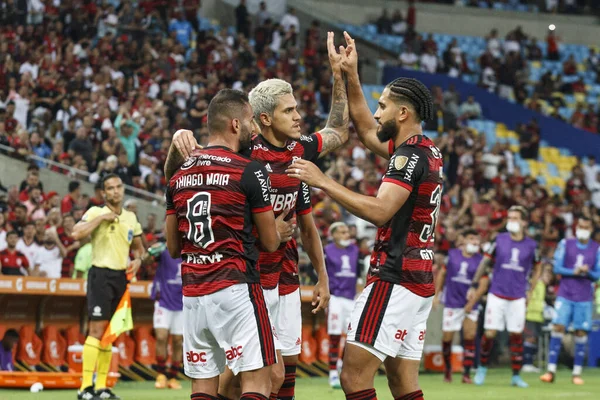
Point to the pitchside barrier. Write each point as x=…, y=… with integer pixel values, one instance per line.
x=51, y=318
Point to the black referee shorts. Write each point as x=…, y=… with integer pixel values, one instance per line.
x=105, y=287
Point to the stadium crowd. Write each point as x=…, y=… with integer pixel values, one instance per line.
x=503, y=67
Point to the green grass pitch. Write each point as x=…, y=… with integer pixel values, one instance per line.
x=496, y=388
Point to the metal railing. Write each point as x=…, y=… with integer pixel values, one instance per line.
x=77, y=173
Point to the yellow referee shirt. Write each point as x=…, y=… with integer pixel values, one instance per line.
x=111, y=240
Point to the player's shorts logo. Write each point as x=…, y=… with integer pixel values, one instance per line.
x=234, y=353
x=195, y=357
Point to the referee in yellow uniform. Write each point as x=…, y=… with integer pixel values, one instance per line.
x=114, y=231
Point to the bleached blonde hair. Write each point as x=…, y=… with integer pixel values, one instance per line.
x=265, y=96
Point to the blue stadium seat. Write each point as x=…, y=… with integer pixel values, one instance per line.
x=552, y=169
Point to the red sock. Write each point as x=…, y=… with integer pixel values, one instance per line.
x=273, y=396
x=334, y=351
x=447, y=353
x=416, y=395
x=469, y=355
x=368, y=394
x=288, y=388
x=202, y=396
x=161, y=365
x=516, y=352
x=486, y=349
x=174, y=369
x=253, y=396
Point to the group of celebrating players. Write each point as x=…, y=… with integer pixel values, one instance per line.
x=232, y=209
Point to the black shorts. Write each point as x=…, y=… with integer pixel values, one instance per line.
x=104, y=291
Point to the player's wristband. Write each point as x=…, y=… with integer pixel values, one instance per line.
x=474, y=286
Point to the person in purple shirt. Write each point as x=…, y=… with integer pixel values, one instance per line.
x=341, y=260
x=7, y=344
x=168, y=315
x=452, y=283
x=578, y=262
x=511, y=258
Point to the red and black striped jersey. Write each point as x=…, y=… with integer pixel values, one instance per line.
x=281, y=266
x=213, y=195
x=403, y=252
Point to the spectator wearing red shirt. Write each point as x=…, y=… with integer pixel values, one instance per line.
x=67, y=203
x=71, y=245
x=570, y=66
x=411, y=16
x=12, y=261
x=552, y=42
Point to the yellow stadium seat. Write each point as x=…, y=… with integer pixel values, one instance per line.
x=375, y=95
x=581, y=67
x=514, y=148
x=513, y=135
x=536, y=64
x=579, y=97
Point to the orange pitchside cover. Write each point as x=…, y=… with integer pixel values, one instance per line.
x=30, y=346
x=55, y=347
x=126, y=347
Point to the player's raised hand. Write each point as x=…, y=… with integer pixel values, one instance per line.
x=350, y=59
x=335, y=58
x=285, y=228
x=307, y=172
x=185, y=142
x=321, y=296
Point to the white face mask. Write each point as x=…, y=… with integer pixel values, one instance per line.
x=583, y=234
x=472, y=248
x=513, y=227
x=345, y=242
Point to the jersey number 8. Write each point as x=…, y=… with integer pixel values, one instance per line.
x=429, y=229
x=198, y=215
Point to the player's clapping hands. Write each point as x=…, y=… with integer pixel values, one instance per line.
x=336, y=59
x=349, y=62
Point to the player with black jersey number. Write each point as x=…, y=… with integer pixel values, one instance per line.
x=277, y=147
x=214, y=201
x=389, y=318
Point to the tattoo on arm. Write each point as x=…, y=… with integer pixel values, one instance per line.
x=484, y=267
x=335, y=133
x=173, y=162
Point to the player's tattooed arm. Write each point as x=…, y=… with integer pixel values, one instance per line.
x=181, y=148
x=173, y=162
x=485, y=267
x=335, y=133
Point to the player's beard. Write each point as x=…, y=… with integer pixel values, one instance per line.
x=245, y=138
x=387, y=131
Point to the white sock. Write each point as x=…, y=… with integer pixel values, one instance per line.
x=333, y=374
x=577, y=369
x=552, y=368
